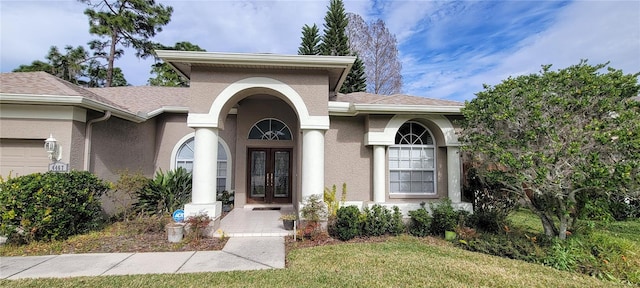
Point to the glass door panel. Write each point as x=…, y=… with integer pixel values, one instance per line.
x=258, y=173
x=281, y=174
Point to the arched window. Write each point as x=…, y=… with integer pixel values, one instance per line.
x=270, y=129
x=412, y=161
x=184, y=158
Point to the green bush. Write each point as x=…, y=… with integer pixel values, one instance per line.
x=50, y=206
x=444, y=218
x=420, y=222
x=516, y=246
x=377, y=221
x=165, y=193
x=347, y=224
x=396, y=226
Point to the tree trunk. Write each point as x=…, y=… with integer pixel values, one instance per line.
x=112, y=55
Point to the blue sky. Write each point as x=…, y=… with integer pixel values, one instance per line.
x=448, y=49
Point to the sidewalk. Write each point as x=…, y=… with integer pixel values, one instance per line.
x=256, y=243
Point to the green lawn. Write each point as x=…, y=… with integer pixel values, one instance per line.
x=400, y=262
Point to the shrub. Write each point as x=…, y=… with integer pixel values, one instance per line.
x=420, y=222
x=197, y=225
x=491, y=204
x=313, y=211
x=397, y=226
x=125, y=192
x=329, y=198
x=444, y=218
x=165, y=193
x=377, y=221
x=50, y=206
x=347, y=224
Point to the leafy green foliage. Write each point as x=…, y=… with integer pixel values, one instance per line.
x=125, y=192
x=356, y=80
x=396, y=226
x=128, y=23
x=313, y=209
x=444, y=217
x=377, y=220
x=347, y=223
x=420, y=222
x=50, y=206
x=165, y=75
x=550, y=136
x=334, y=42
x=310, y=40
x=165, y=193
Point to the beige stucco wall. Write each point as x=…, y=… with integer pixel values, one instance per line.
x=377, y=123
x=119, y=144
x=206, y=84
x=347, y=159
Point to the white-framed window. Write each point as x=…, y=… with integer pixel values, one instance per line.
x=270, y=129
x=412, y=161
x=183, y=157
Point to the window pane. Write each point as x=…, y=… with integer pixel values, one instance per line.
x=394, y=175
x=393, y=152
x=222, y=154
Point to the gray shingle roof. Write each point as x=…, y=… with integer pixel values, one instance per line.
x=144, y=98
x=45, y=84
x=396, y=99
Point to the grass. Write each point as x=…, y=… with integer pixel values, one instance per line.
x=400, y=262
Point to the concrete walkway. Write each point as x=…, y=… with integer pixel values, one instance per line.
x=256, y=243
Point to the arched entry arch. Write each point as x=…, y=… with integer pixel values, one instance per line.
x=206, y=137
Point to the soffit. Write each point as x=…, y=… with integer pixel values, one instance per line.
x=336, y=67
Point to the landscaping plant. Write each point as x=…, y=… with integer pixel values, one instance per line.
x=50, y=206
x=377, y=220
x=552, y=136
x=313, y=211
x=165, y=193
x=420, y=221
x=347, y=223
x=443, y=217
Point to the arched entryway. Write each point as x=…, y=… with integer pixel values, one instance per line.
x=257, y=99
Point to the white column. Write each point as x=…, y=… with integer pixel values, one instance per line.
x=205, y=166
x=379, y=173
x=312, y=162
x=453, y=172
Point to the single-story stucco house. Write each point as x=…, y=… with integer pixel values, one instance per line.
x=272, y=128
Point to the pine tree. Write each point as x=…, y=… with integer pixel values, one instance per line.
x=334, y=40
x=336, y=43
x=310, y=41
x=356, y=79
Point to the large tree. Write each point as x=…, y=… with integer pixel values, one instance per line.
x=76, y=66
x=167, y=76
x=127, y=23
x=552, y=136
x=378, y=48
x=310, y=40
x=334, y=42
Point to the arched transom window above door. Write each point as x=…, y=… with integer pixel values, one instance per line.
x=270, y=129
x=412, y=161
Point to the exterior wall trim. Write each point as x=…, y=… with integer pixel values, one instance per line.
x=306, y=121
x=387, y=137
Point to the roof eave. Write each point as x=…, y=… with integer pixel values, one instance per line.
x=341, y=109
x=258, y=60
x=79, y=101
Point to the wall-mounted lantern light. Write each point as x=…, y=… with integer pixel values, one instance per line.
x=52, y=147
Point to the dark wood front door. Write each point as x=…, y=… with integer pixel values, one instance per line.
x=269, y=175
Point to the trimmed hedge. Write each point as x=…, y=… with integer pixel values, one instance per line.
x=50, y=206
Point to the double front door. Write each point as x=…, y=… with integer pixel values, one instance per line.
x=269, y=171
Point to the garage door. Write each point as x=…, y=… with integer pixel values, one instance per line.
x=21, y=157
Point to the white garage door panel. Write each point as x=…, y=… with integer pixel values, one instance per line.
x=21, y=157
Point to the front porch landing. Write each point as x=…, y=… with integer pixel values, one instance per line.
x=246, y=222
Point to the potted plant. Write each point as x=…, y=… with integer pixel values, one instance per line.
x=226, y=197
x=287, y=221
